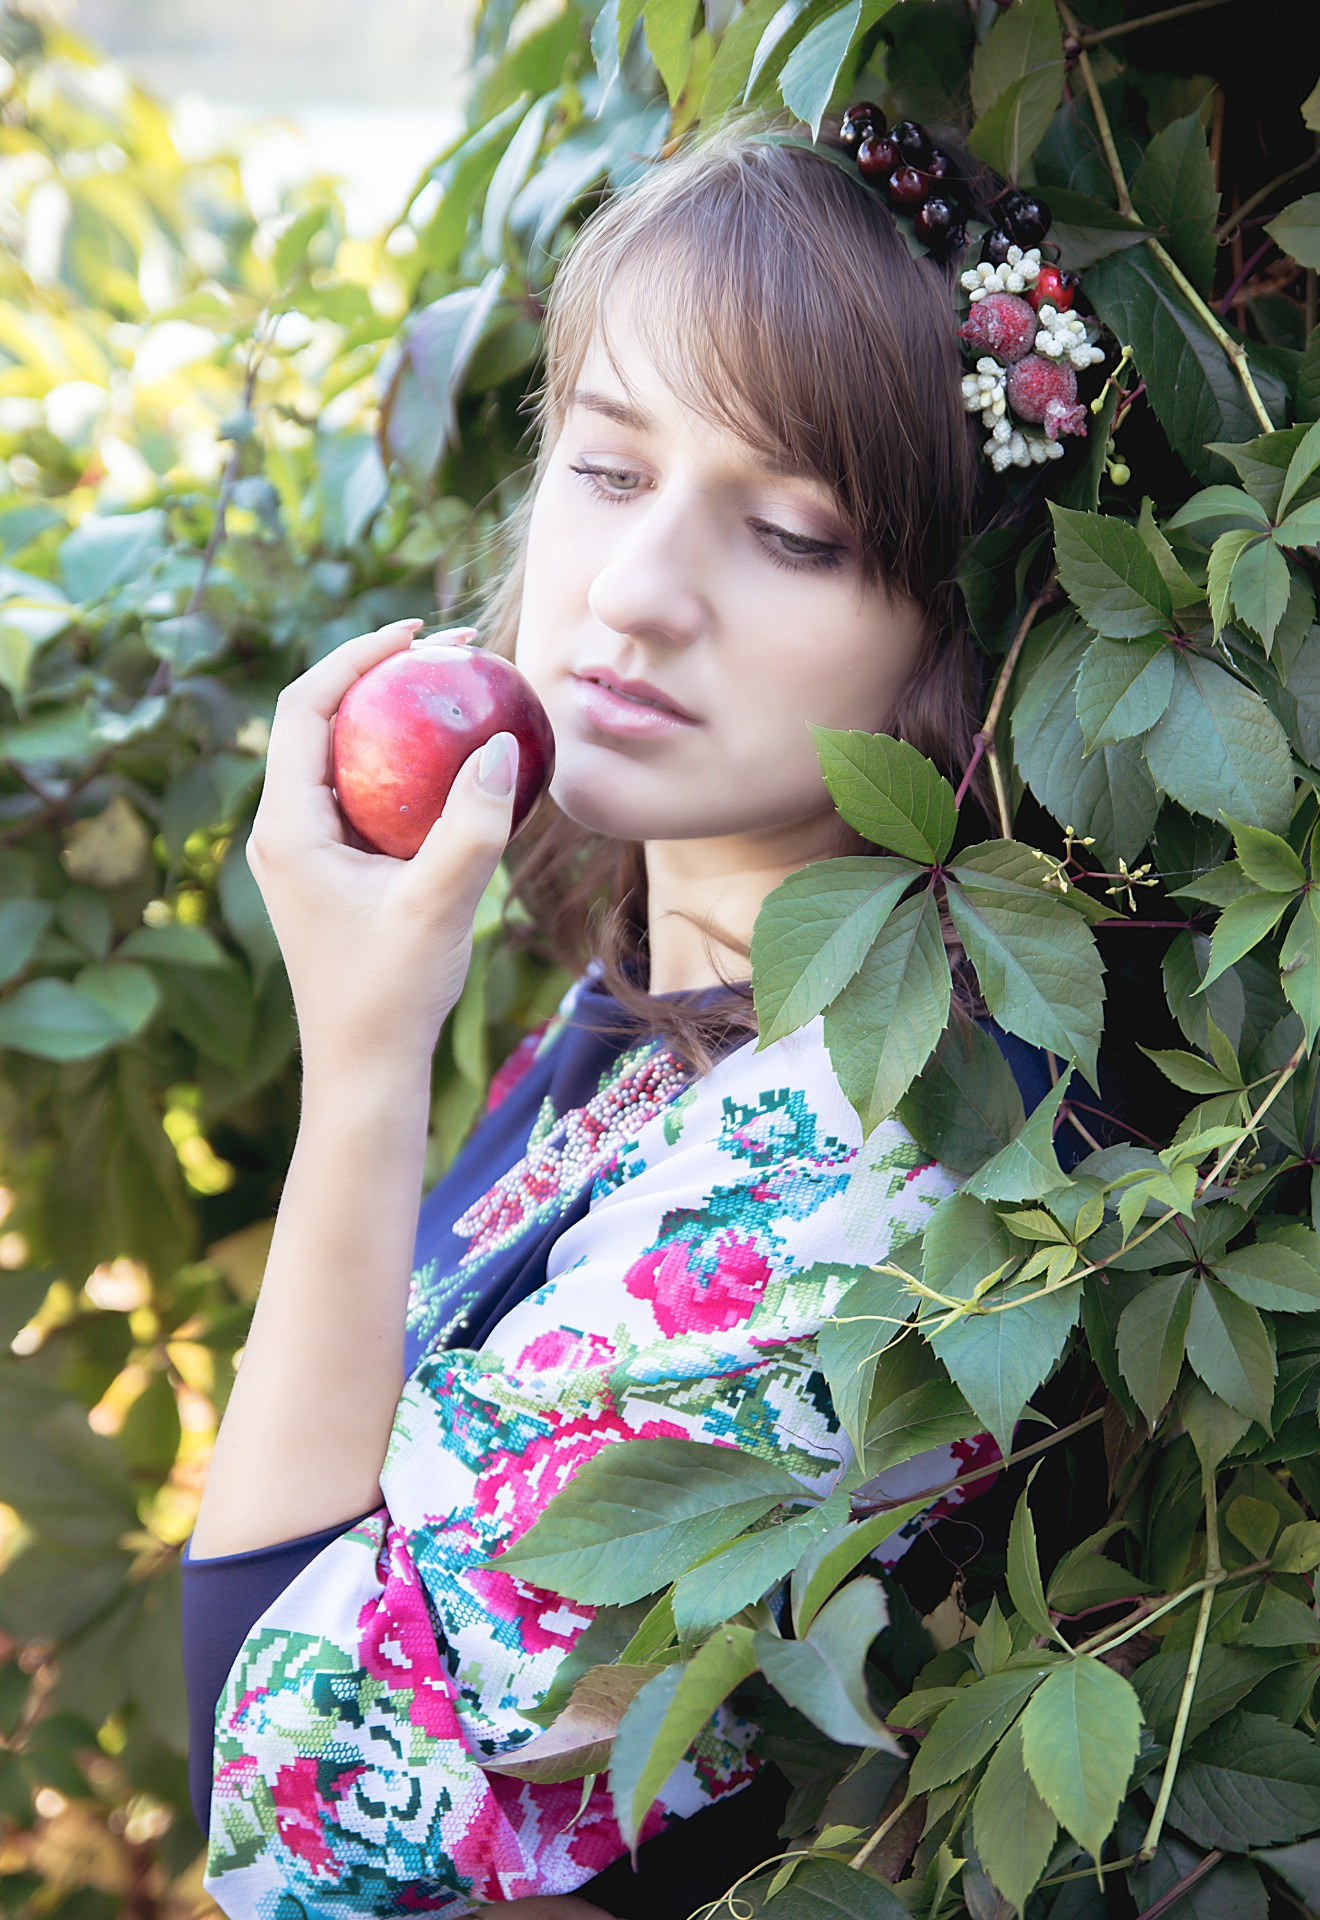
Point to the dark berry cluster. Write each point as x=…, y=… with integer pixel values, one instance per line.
x=914, y=175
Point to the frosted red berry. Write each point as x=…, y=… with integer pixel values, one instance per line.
x=1045, y=391
x=1002, y=324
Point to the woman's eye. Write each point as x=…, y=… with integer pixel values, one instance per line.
x=797, y=550
x=609, y=483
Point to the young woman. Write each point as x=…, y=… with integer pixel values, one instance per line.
x=754, y=474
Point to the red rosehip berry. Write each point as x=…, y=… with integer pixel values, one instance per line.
x=908, y=187
x=1002, y=324
x=1045, y=391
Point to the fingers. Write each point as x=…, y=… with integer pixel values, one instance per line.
x=299, y=754
x=461, y=852
x=448, y=637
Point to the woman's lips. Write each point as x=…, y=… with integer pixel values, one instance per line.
x=629, y=709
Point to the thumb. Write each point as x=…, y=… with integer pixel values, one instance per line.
x=457, y=859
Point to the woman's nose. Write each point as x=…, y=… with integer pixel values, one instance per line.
x=653, y=584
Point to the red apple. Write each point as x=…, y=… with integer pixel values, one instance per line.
x=405, y=728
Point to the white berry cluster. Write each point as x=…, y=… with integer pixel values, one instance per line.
x=1063, y=336
x=1018, y=272
x=984, y=392
x=1008, y=446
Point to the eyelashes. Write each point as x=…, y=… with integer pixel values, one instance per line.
x=792, y=552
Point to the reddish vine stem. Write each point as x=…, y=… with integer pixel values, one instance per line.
x=985, y=739
x=1166, y=1900
x=1240, y=279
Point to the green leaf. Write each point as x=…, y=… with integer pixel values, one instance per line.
x=813, y=933
x=1225, y=1678
x=1270, y=1276
x=1302, y=464
x=103, y=553
x=1301, y=528
x=174, y=945
x=831, y=1559
x=812, y=70
x=1152, y=1333
x=1297, y=1549
x=1013, y=1828
x=999, y=1359
x=1079, y=1742
x=964, y=1244
x=930, y=1415
x=824, y=1676
x=1084, y=1579
x=1267, y=859
x=869, y=1316
x=1036, y=963
x=1262, y=466
x=1283, y=1621
x=884, y=1026
x=1224, y=556
x=820, y=1889
x=128, y=994
x=1261, y=587
x=964, y=1105
x=666, y=1717
x=668, y=28
x=1109, y=794
x=1174, y=191
x=1241, y=926
x=1110, y=574
x=971, y=1725
x=1229, y=1348
x=1122, y=688
x=54, y=1021
x=1190, y=1072
x=1299, y=965
x=1183, y=590
x=1024, y=1582
x=1219, y=750
x=889, y=792
x=741, y=1573
x=639, y=1513
x=1296, y=231
x=1017, y=77
x=1249, y=1782
x=582, y=1736
x=1213, y=1426
x=1190, y=381
x=22, y=923
x=1028, y=1168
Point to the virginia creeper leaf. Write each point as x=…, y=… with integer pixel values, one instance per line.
x=1013, y=1828
x=1229, y=1348
x=889, y=792
x=1079, y=1740
x=813, y=932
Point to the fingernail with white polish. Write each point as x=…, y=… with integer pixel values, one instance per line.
x=497, y=768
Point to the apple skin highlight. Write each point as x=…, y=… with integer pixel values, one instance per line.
x=405, y=728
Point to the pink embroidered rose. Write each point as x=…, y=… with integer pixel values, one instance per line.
x=561, y=1347
x=688, y=1300
x=397, y=1645
x=517, y=1488
x=301, y=1811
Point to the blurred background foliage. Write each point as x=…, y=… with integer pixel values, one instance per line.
x=227, y=444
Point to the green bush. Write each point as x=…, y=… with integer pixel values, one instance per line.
x=229, y=446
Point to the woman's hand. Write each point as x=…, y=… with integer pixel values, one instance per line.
x=376, y=948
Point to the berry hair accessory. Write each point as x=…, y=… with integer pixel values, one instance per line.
x=913, y=175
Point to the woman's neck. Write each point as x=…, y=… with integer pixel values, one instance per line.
x=703, y=897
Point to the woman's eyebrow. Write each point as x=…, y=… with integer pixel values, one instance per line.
x=618, y=411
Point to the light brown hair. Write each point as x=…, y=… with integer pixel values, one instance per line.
x=776, y=293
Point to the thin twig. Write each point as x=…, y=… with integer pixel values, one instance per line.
x=886, y=1826
x=1005, y=1461
x=1106, y=132
x=1175, y=1893
x=985, y=739
x=1240, y=278
x=1214, y=1574
x=1209, y=318
x=56, y=808
x=1249, y=205
x=1093, y=36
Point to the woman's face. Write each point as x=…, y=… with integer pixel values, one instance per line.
x=688, y=609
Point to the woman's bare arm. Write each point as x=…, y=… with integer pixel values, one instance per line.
x=376, y=951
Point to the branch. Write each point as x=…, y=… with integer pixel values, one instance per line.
x=1093, y=36
x=1004, y=1462
x=1214, y=1573
x=56, y=809
x=1175, y=1893
x=1210, y=320
x=1239, y=214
